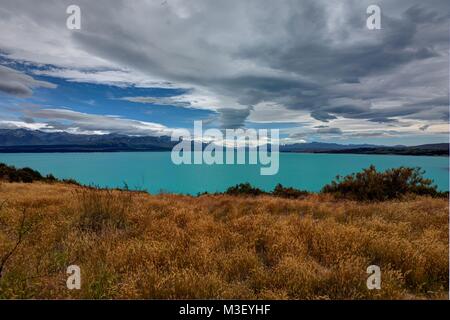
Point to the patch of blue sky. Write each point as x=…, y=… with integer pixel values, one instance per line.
x=106, y=99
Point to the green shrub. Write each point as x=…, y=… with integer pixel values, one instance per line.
x=50, y=178
x=70, y=181
x=288, y=192
x=279, y=191
x=27, y=175
x=244, y=189
x=378, y=186
x=12, y=174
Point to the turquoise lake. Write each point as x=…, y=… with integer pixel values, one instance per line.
x=155, y=172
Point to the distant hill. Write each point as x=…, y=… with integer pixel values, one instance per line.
x=23, y=140
x=437, y=149
x=321, y=147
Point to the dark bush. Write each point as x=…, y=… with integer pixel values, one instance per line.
x=279, y=191
x=51, y=178
x=27, y=175
x=244, y=189
x=378, y=186
x=288, y=192
x=71, y=181
x=12, y=174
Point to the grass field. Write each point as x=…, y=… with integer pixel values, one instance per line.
x=135, y=245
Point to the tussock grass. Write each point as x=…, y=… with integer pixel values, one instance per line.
x=135, y=245
x=102, y=210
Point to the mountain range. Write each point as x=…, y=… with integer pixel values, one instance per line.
x=24, y=140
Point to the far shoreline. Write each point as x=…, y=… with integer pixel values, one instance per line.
x=43, y=149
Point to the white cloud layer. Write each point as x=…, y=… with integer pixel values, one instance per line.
x=79, y=122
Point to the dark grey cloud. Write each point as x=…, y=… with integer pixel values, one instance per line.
x=27, y=119
x=303, y=57
x=435, y=109
x=233, y=118
x=19, y=84
x=381, y=119
x=297, y=136
x=322, y=115
x=329, y=131
x=323, y=132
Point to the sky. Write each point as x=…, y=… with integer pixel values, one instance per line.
x=310, y=68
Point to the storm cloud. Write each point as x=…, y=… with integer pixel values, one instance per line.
x=18, y=84
x=311, y=56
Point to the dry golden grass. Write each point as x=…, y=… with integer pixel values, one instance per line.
x=134, y=245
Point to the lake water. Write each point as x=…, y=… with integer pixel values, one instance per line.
x=155, y=172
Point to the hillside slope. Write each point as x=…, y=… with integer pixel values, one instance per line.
x=135, y=245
